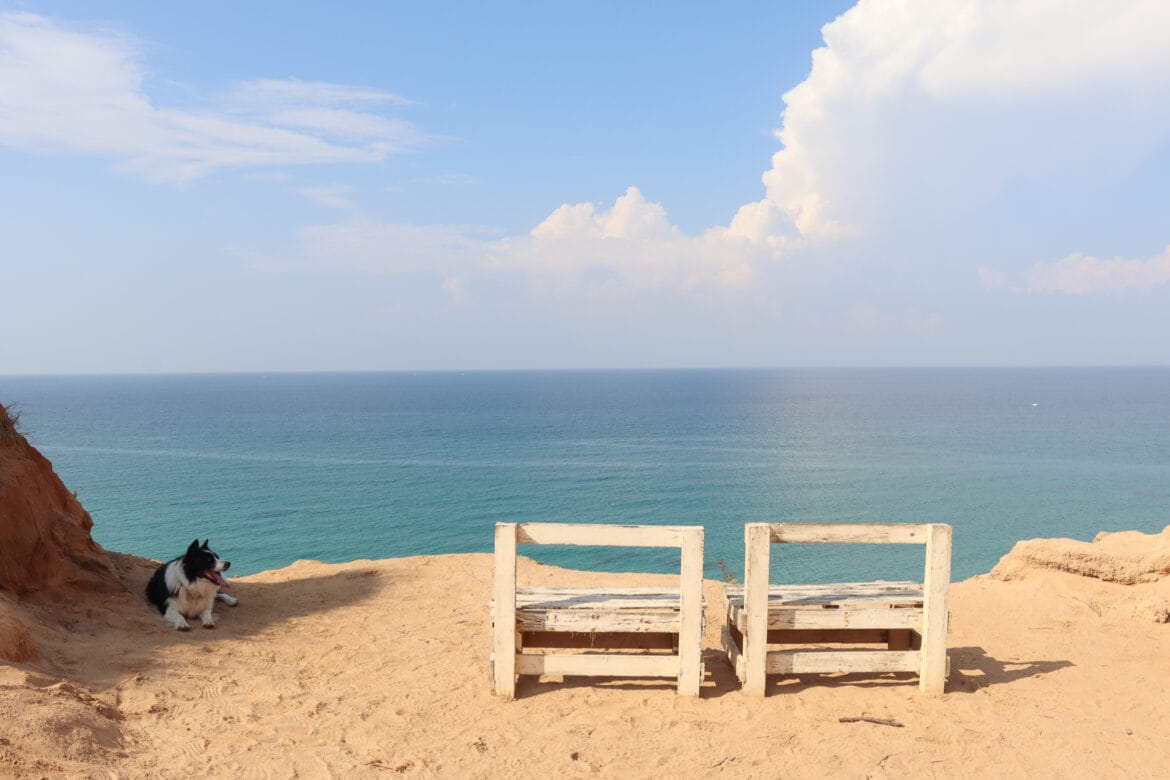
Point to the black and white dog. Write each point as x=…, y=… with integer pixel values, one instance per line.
x=189, y=587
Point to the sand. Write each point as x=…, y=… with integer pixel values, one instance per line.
x=380, y=668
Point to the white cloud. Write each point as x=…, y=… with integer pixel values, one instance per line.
x=275, y=94
x=920, y=108
x=330, y=195
x=1080, y=274
x=629, y=247
x=631, y=216
x=64, y=91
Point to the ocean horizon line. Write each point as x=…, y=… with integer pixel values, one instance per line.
x=585, y=369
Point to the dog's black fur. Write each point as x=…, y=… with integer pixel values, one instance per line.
x=189, y=586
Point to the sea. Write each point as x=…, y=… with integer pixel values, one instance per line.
x=335, y=467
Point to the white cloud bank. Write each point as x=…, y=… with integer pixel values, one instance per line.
x=917, y=108
x=626, y=248
x=83, y=92
x=1080, y=274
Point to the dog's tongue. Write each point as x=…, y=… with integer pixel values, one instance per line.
x=215, y=577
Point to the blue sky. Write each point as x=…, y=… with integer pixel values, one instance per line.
x=263, y=186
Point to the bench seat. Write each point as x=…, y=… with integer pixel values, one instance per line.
x=635, y=610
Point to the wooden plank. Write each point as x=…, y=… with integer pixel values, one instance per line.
x=611, y=600
x=899, y=640
x=873, y=594
x=539, y=590
x=757, y=558
x=901, y=617
x=785, y=636
x=504, y=640
x=848, y=533
x=936, y=583
x=833, y=661
x=579, y=620
x=600, y=665
x=733, y=655
x=602, y=535
x=690, y=657
x=600, y=640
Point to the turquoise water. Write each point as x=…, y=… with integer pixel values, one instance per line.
x=335, y=467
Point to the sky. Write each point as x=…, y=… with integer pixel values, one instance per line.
x=302, y=186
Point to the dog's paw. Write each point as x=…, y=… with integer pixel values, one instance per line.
x=183, y=627
x=209, y=625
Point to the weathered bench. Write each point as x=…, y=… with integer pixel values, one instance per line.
x=909, y=618
x=666, y=624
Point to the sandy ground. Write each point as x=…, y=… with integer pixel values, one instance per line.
x=379, y=668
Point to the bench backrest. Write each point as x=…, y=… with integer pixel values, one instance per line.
x=602, y=535
x=936, y=537
x=688, y=538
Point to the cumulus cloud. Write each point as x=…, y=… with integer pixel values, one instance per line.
x=628, y=247
x=917, y=108
x=1080, y=274
x=631, y=217
x=85, y=92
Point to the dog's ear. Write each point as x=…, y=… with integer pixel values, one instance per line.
x=205, y=541
x=194, y=545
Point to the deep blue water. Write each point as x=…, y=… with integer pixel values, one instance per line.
x=336, y=467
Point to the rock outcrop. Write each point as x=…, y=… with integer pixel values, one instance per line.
x=1136, y=561
x=45, y=541
x=1125, y=557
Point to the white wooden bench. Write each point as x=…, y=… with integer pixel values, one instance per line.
x=665, y=623
x=909, y=618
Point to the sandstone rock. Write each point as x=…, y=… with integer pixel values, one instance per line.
x=45, y=541
x=1126, y=557
x=16, y=641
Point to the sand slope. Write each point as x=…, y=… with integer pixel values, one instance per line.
x=378, y=668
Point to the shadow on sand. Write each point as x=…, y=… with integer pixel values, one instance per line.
x=971, y=669
x=133, y=628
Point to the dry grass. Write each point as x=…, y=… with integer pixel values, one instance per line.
x=9, y=424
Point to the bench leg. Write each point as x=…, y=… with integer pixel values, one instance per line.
x=757, y=541
x=690, y=637
x=505, y=637
x=932, y=669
